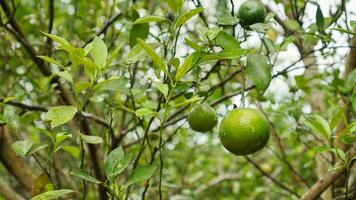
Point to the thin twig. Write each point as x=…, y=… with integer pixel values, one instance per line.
x=201, y=15
x=274, y=180
x=49, y=41
x=104, y=28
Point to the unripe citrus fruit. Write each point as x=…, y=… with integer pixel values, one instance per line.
x=244, y=131
x=202, y=118
x=252, y=11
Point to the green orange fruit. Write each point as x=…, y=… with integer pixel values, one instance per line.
x=244, y=131
x=252, y=11
x=202, y=118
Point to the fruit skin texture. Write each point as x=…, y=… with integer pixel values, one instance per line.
x=202, y=118
x=244, y=131
x=252, y=11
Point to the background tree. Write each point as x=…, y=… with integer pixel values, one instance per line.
x=95, y=98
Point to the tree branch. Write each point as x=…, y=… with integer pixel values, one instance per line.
x=104, y=28
x=217, y=180
x=280, y=184
x=319, y=187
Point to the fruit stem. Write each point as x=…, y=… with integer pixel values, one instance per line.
x=243, y=99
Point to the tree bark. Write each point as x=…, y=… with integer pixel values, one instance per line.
x=14, y=165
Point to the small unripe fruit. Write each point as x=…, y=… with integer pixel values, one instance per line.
x=252, y=11
x=202, y=118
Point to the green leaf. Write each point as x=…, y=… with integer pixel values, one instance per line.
x=54, y=194
x=77, y=57
x=293, y=24
x=21, y=148
x=300, y=81
x=209, y=34
x=347, y=138
x=155, y=58
x=353, y=101
x=339, y=153
x=136, y=54
x=163, y=88
x=84, y=175
x=60, y=115
x=10, y=115
x=111, y=162
x=52, y=61
x=60, y=137
x=8, y=99
x=258, y=71
x=324, y=124
x=113, y=56
x=230, y=53
x=36, y=148
x=188, y=101
x=175, y=62
x=347, y=135
x=65, y=75
x=90, y=68
x=73, y=150
x=319, y=20
x=224, y=54
x=114, y=156
x=318, y=125
x=80, y=86
x=353, y=24
x=186, y=16
x=46, y=133
x=99, y=52
x=321, y=149
x=184, y=68
x=148, y=19
x=113, y=84
x=350, y=81
x=192, y=44
x=119, y=166
x=87, y=49
x=139, y=31
x=343, y=31
x=139, y=174
x=175, y=5
x=91, y=139
x=227, y=41
x=339, y=115
x=144, y=112
x=228, y=20
x=57, y=39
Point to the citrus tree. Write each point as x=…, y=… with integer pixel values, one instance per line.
x=177, y=99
